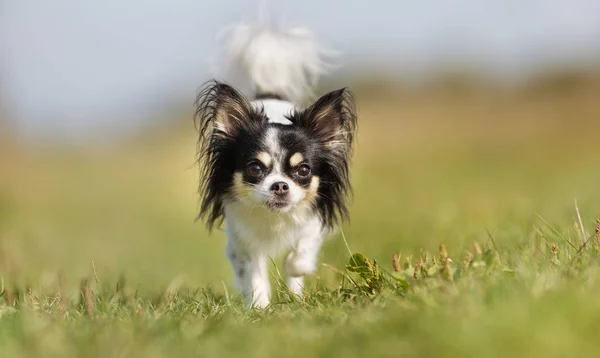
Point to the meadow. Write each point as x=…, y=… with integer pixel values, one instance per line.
x=474, y=233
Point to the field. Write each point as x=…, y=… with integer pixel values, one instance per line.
x=488, y=199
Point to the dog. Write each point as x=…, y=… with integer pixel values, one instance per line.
x=274, y=171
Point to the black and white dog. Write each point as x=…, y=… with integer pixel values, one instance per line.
x=275, y=172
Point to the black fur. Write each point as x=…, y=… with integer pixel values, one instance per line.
x=332, y=119
x=217, y=149
x=323, y=133
x=269, y=96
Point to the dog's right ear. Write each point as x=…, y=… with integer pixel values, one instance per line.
x=221, y=114
x=221, y=110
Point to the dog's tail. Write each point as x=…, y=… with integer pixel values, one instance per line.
x=277, y=63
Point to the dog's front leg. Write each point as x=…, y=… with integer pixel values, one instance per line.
x=301, y=261
x=251, y=275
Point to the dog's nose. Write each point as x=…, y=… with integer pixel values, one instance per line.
x=280, y=188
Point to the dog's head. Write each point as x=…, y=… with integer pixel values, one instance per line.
x=249, y=160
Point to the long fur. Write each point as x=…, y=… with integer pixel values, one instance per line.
x=287, y=63
x=332, y=120
x=248, y=148
x=216, y=99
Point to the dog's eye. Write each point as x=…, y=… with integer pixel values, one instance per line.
x=303, y=170
x=254, y=169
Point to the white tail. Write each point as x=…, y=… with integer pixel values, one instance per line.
x=287, y=63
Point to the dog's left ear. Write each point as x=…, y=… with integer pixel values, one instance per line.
x=332, y=120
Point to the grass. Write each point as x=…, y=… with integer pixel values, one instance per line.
x=473, y=233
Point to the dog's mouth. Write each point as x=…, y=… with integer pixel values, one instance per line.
x=278, y=204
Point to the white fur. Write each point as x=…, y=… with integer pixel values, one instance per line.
x=275, y=109
x=256, y=232
x=284, y=62
x=274, y=149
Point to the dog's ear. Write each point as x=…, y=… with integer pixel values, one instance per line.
x=221, y=110
x=332, y=120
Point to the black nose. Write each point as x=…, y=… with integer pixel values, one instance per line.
x=280, y=188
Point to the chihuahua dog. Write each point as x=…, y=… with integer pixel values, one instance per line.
x=275, y=171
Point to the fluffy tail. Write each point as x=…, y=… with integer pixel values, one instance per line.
x=283, y=63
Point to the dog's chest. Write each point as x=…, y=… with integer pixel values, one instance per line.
x=264, y=232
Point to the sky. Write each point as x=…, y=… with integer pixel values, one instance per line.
x=71, y=67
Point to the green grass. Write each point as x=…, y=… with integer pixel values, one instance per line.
x=538, y=300
x=477, y=196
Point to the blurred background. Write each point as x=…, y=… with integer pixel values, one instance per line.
x=475, y=118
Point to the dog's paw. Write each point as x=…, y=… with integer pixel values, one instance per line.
x=260, y=302
x=295, y=285
x=298, y=265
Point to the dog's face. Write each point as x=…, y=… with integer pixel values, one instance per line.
x=280, y=167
